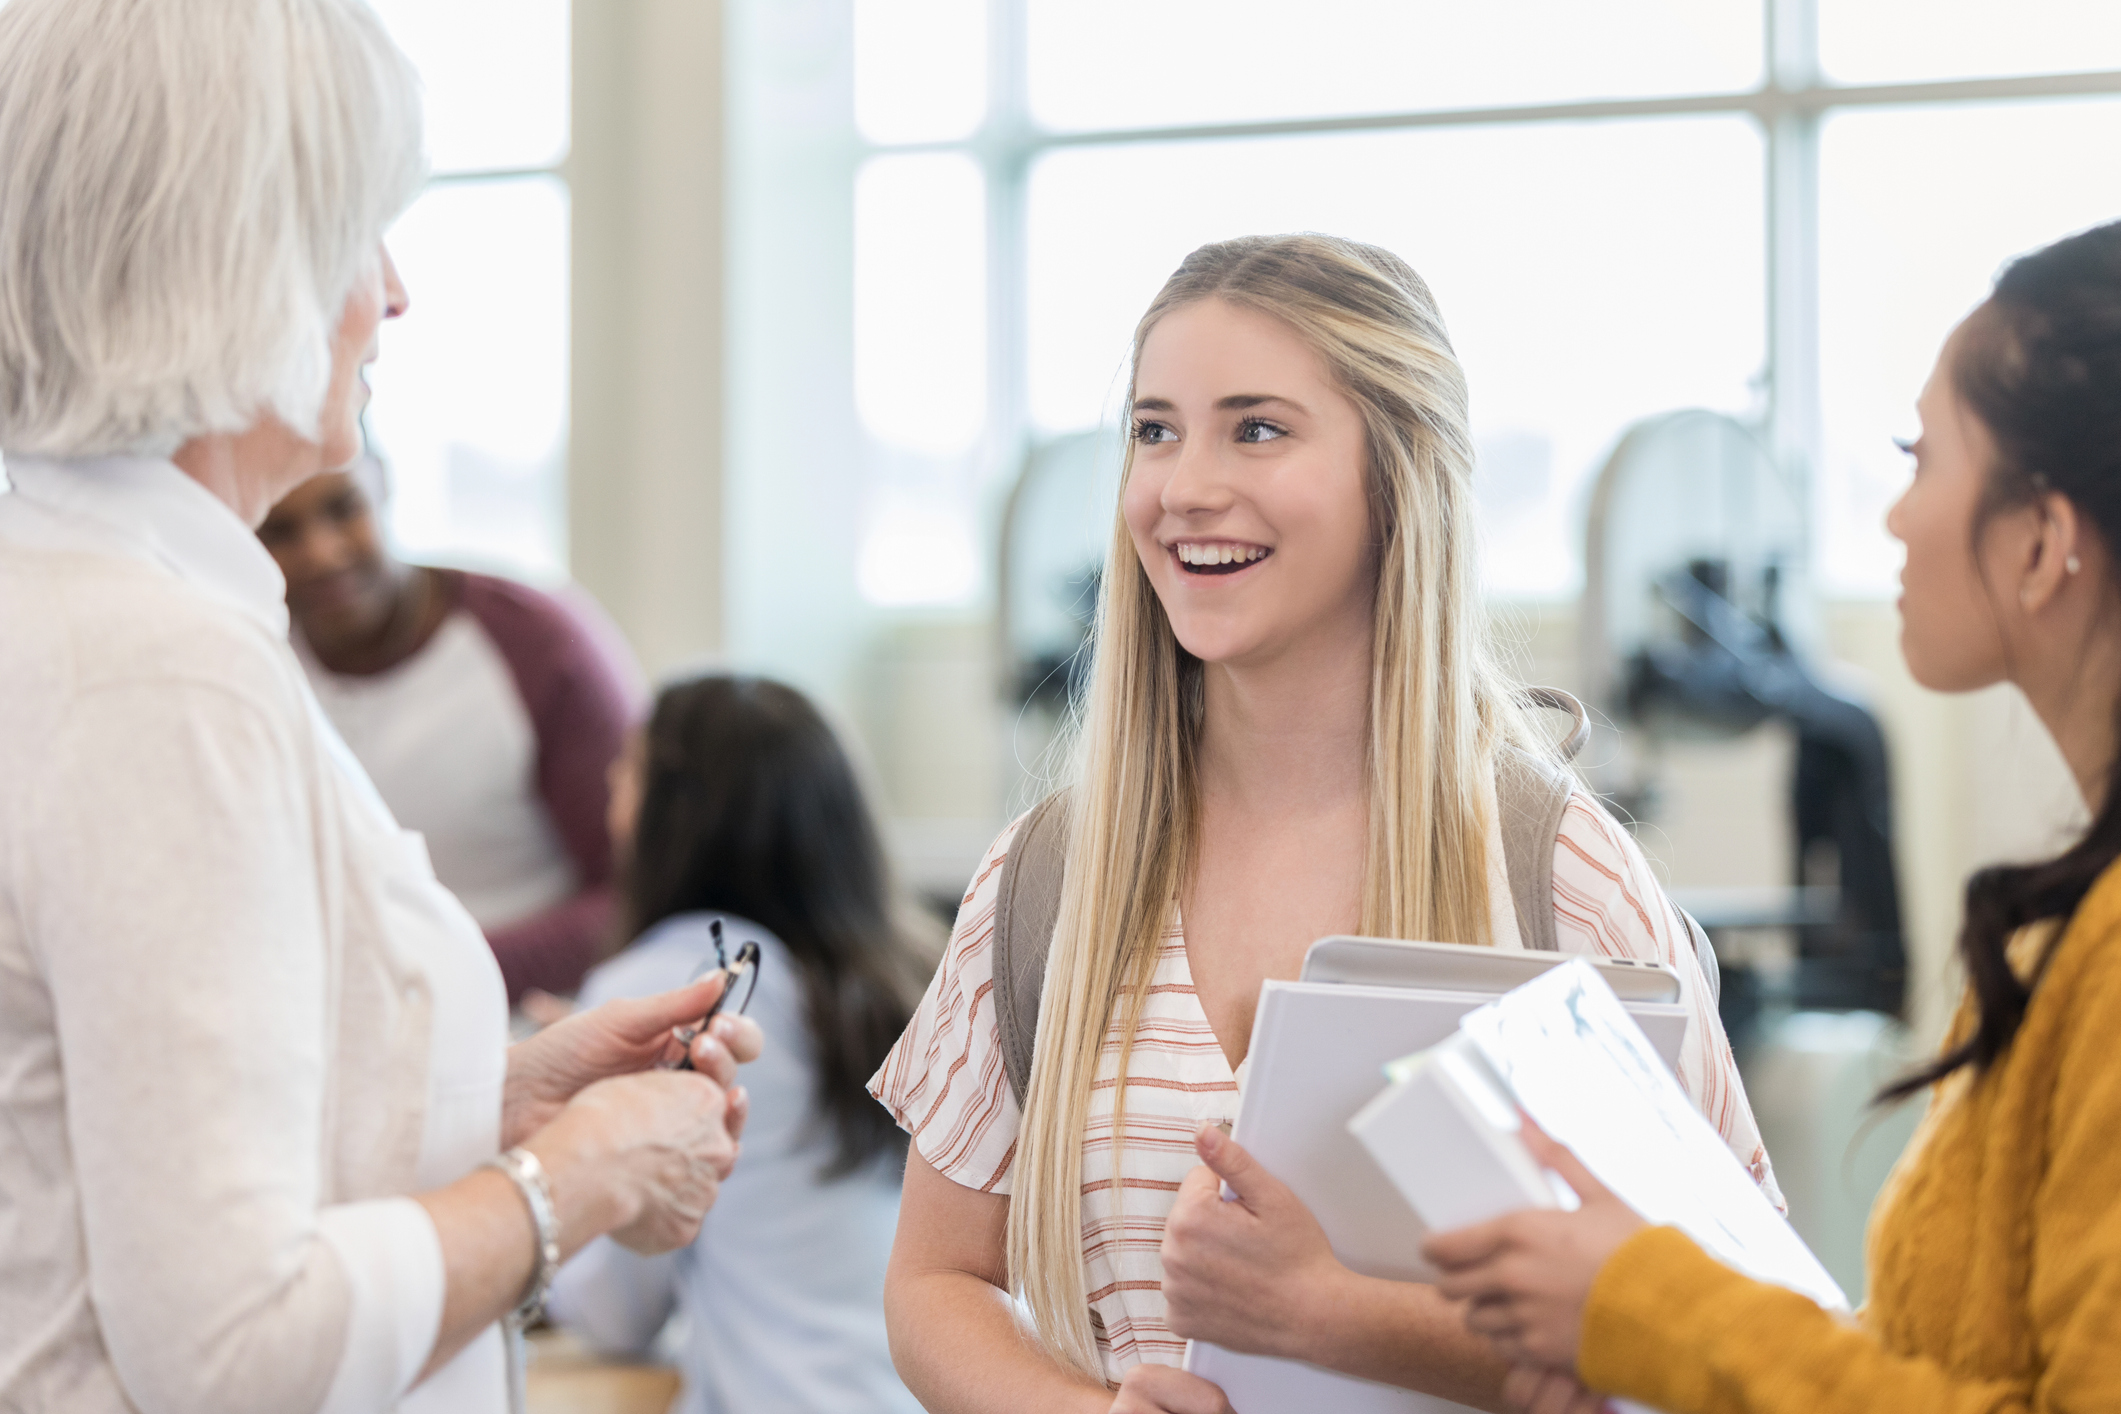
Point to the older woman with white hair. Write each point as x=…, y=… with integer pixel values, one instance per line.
x=263, y=1145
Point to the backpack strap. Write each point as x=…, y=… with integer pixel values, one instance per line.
x=1026, y=907
x=1531, y=795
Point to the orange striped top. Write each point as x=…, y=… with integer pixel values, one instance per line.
x=945, y=1084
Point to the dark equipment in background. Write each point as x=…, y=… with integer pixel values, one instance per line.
x=1056, y=527
x=1693, y=626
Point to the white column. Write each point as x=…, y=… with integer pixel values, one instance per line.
x=645, y=445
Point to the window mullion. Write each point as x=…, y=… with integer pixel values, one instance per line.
x=1005, y=160
x=1793, y=422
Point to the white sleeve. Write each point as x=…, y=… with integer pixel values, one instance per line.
x=175, y=903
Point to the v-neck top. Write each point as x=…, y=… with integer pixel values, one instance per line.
x=945, y=1082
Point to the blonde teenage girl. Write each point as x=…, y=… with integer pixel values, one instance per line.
x=1292, y=730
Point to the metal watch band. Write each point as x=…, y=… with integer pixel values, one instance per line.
x=528, y=1175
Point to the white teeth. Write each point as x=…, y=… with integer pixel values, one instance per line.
x=1219, y=554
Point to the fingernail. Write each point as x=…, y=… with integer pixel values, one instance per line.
x=1211, y=1139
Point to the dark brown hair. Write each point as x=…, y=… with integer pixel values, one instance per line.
x=749, y=807
x=2040, y=365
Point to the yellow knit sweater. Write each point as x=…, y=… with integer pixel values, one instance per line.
x=1995, y=1254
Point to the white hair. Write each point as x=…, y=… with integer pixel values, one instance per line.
x=189, y=192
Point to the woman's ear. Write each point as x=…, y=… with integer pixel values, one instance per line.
x=2052, y=557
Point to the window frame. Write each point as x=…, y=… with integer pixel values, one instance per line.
x=1789, y=105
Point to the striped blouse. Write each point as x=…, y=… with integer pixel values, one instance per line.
x=945, y=1083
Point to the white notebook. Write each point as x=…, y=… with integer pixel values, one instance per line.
x=1563, y=1048
x=1317, y=1057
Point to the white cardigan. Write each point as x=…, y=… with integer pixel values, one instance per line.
x=239, y=1020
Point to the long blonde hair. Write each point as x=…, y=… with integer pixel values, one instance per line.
x=1439, y=710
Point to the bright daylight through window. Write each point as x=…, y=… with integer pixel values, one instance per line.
x=470, y=407
x=1763, y=207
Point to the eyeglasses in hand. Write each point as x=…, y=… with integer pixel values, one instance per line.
x=743, y=979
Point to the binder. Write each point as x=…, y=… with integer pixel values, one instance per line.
x=1317, y=1057
x=1564, y=1050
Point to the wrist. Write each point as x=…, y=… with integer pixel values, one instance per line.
x=1324, y=1305
x=528, y=1098
x=585, y=1197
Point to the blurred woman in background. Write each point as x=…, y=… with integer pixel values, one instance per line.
x=487, y=712
x=737, y=806
x=1995, y=1247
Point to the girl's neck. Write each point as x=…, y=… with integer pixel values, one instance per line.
x=1292, y=734
x=2074, y=700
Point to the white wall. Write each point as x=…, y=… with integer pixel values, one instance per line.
x=645, y=445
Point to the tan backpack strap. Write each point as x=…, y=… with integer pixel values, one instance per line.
x=1026, y=906
x=1531, y=793
x=1553, y=699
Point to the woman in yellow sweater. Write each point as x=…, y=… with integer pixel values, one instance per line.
x=1995, y=1251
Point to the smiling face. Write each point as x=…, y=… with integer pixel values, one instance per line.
x=1950, y=632
x=342, y=585
x=1248, y=500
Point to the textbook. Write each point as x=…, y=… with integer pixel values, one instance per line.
x=1318, y=1055
x=1563, y=1049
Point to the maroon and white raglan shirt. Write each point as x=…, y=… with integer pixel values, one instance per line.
x=493, y=741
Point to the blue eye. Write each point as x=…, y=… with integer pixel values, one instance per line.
x=1153, y=432
x=1256, y=429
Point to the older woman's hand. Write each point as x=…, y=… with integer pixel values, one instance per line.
x=618, y=1038
x=645, y=1153
x=1241, y=1272
x=1529, y=1275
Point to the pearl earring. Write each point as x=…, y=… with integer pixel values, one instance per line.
x=2073, y=564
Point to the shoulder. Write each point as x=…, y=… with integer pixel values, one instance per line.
x=1589, y=832
x=546, y=634
x=83, y=622
x=1592, y=846
x=945, y=1081
x=2084, y=968
x=1605, y=891
x=985, y=884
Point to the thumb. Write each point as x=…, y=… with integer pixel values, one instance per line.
x=1551, y=1154
x=1252, y=1184
x=653, y=1016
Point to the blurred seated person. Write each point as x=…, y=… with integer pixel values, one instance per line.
x=737, y=805
x=487, y=713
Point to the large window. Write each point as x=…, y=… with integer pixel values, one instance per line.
x=1774, y=208
x=470, y=404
